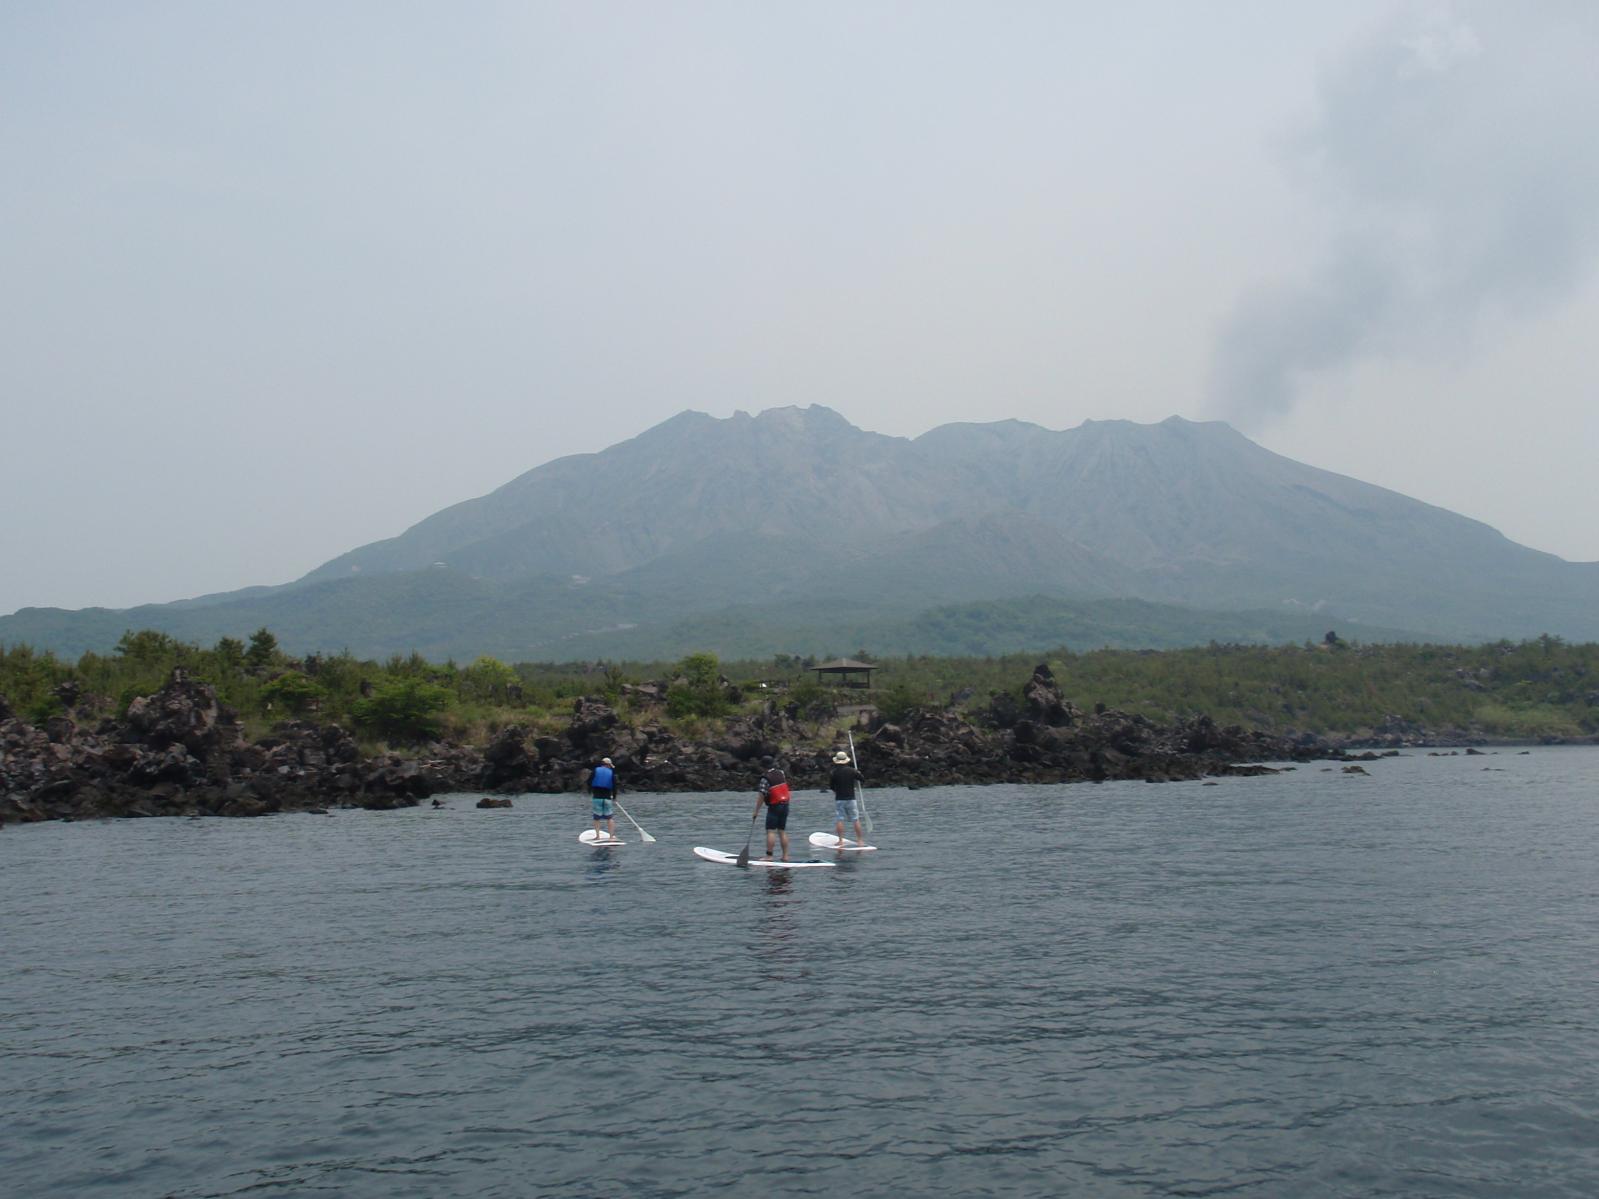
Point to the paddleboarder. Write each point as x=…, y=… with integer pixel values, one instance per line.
x=844, y=779
x=774, y=794
x=603, y=786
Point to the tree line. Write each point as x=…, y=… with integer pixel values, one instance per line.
x=1540, y=688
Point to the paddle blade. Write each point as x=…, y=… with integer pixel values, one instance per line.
x=744, y=854
x=634, y=823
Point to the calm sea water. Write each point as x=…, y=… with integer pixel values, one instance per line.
x=1311, y=984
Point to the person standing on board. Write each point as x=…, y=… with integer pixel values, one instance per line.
x=774, y=794
x=846, y=807
x=603, y=787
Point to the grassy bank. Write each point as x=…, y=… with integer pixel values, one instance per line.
x=1530, y=690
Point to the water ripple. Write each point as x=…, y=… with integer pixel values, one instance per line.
x=1275, y=986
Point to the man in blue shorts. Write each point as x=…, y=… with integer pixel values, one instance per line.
x=774, y=794
x=602, y=789
x=846, y=807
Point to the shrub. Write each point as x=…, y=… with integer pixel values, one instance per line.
x=487, y=679
x=1536, y=720
x=810, y=701
x=701, y=692
x=292, y=691
x=405, y=709
x=686, y=701
x=897, y=703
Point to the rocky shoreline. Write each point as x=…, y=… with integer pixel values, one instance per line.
x=180, y=752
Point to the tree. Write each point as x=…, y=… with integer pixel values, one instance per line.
x=700, y=692
x=263, y=651
x=487, y=679
x=701, y=671
x=146, y=647
x=293, y=692
x=229, y=653
x=403, y=709
x=30, y=681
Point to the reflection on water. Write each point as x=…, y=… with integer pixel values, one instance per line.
x=1315, y=984
x=776, y=945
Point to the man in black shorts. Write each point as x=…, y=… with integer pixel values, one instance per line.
x=774, y=794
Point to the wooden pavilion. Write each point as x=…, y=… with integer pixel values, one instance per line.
x=845, y=672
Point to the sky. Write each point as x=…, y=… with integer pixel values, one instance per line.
x=278, y=280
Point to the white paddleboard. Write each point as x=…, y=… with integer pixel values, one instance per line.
x=589, y=837
x=828, y=841
x=731, y=859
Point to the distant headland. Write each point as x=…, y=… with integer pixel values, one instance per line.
x=246, y=730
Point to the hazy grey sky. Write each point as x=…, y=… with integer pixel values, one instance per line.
x=280, y=279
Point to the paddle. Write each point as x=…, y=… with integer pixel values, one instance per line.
x=744, y=854
x=860, y=796
x=633, y=822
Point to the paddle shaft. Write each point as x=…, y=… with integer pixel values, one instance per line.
x=860, y=796
x=633, y=822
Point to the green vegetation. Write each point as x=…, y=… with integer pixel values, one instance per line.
x=404, y=709
x=1524, y=690
x=700, y=693
x=1515, y=690
x=292, y=692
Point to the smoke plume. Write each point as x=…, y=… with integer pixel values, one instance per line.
x=1457, y=154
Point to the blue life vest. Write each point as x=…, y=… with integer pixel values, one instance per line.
x=604, y=776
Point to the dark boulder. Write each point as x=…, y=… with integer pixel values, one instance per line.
x=592, y=722
x=1004, y=710
x=506, y=760
x=1043, y=701
x=186, y=713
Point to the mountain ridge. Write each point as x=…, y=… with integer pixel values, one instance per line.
x=699, y=515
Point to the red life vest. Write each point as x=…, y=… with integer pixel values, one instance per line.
x=777, y=793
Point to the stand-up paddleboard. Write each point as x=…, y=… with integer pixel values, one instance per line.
x=589, y=837
x=828, y=841
x=731, y=859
